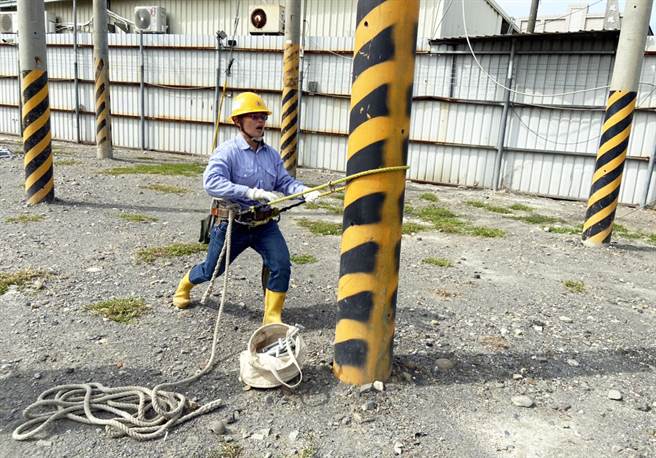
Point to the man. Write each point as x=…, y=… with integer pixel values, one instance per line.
x=245, y=170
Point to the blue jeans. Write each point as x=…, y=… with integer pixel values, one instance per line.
x=267, y=240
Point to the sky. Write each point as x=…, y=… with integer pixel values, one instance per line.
x=521, y=8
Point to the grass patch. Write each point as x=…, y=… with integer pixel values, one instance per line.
x=521, y=208
x=625, y=232
x=321, y=227
x=185, y=169
x=575, y=286
x=303, y=259
x=566, y=229
x=226, y=450
x=429, y=197
x=410, y=228
x=61, y=152
x=408, y=209
x=487, y=232
x=119, y=310
x=170, y=251
x=334, y=209
x=145, y=158
x=165, y=188
x=652, y=239
x=19, y=278
x=137, y=218
x=23, y=219
x=538, y=219
x=442, y=219
x=441, y=262
x=488, y=207
x=67, y=162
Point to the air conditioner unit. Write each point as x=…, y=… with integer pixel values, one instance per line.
x=8, y=23
x=266, y=20
x=150, y=19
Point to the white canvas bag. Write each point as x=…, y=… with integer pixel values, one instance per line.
x=262, y=370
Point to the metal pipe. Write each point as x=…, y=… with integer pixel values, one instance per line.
x=504, y=120
x=142, y=90
x=76, y=75
x=650, y=172
x=532, y=16
x=37, y=144
x=217, y=84
x=616, y=129
x=383, y=73
x=20, y=91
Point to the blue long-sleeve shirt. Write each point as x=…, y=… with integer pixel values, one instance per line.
x=234, y=168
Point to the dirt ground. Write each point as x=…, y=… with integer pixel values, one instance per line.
x=530, y=317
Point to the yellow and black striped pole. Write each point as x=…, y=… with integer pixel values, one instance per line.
x=101, y=62
x=290, y=95
x=381, y=98
x=616, y=129
x=39, y=176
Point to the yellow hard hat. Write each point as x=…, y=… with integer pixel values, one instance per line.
x=248, y=102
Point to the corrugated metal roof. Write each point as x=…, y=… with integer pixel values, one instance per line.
x=580, y=35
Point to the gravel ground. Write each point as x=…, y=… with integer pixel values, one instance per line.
x=476, y=342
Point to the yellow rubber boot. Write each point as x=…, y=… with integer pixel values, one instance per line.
x=181, y=297
x=273, y=303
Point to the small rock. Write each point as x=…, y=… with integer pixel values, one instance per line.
x=398, y=448
x=346, y=420
x=294, y=435
x=94, y=269
x=434, y=323
x=522, y=401
x=231, y=418
x=566, y=319
x=561, y=407
x=268, y=400
x=268, y=455
x=573, y=362
x=615, y=395
x=366, y=388
x=444, y=364
x=37, y=375
x=379, y=386
x=644, y=407
x=517, y=376
x=407, y=376
x=258, y=436
x=43, y=443
x=38, y=284
x=218, y=427
x=369, y=405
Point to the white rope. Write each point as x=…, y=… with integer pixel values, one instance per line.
x=139, y=412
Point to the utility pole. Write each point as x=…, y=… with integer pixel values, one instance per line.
x=101, y=62
x=532, y=16
x=616, y=129
x=290, y=96
x=383, y=71
x=37, y=144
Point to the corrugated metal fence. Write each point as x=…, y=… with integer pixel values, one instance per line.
x=549, y=144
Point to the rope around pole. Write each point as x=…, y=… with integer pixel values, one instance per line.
x=139, y=412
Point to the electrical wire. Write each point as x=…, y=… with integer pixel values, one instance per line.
x=557, y=142
x=514, y=91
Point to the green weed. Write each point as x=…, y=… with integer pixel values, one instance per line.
x=137, y=218
x=521, y=208
x=19, y=278
x=165, y=188
x=488, y=207
x=184, y=169
x=411, y=228
x=334, y=209
x=303, y=259
x=566, y=229
x=26, y=218
x=487, y=232
x=170, y=251
x=625, y=232
x=574, y=286
x=119, y=310
x=652, y=239
x=429, y=196
x=321, y=227
x=538, y=219
x=441, y=262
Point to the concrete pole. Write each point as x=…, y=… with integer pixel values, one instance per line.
x=504, y=120
x=76, y=80
x=383, y=71
x=290, y=96
x=142, y=92
x=37, y=144
x=532, y=16
x=101, y=62
x=616, y=129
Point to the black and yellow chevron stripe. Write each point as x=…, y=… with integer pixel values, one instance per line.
x=103, y=133
x=383, y=67
x=289, y=123
x=607, y=177
x=39, y=178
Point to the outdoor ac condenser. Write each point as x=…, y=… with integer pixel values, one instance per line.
x=9, y=22
x=266, y=19
x=150, y=19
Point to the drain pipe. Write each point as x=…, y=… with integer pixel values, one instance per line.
x=504, y=120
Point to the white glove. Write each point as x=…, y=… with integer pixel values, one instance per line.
x=260, y=194
x=311, y=196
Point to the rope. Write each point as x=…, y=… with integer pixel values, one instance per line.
x=139, y=412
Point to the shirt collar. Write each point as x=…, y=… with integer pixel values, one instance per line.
x=243, y=144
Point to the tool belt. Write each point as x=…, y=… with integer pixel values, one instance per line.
x=257, y=216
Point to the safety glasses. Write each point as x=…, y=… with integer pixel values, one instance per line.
x=258, y=116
